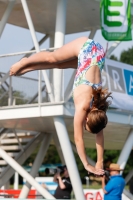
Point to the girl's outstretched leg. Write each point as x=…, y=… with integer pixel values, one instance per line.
x=35, y=62
x=45, y=59
x=63, y=65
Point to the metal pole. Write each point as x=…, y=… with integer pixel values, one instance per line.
x=56, y=141
x=40, y=42
x=25, y=174
x=87, y=181
x=51, y=44
x=88, y=158
x=6, y=16
x=59, y=41
x=38, y=161
x=49, y=89
x=26, y=52
x=34, y=38
x=10, y=91
x=16, y=180
x=92, y=33
x=113, y=47
x=126, y=150
x=69, y=157
x=40, y=87
x=68, y=91
x=129, y=176
x=6, y=186
x=128, y=194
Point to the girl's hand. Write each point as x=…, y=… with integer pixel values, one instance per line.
x=94, y=170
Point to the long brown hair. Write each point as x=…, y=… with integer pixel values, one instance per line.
x=100, y=99
x=97, y=118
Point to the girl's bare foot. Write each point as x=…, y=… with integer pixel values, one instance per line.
x=23, y=71
x=17, y=67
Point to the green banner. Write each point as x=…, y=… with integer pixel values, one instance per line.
x=116, y=20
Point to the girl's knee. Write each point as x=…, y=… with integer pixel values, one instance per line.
x=50, y=58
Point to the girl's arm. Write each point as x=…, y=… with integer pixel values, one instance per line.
x=100, y=149
x=79, y=118
x=78, y=135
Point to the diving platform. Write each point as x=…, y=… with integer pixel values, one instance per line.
x=39, y=118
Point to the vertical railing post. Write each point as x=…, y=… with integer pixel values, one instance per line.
x=10, y=92
x=59, y=41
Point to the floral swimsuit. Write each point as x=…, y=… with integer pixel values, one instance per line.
x=92, y=53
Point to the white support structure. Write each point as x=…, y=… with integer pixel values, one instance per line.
x=34, y=38
x=6, y=15
x=126, y=150
x=68, y=91
x=89, y=159
x=4, y=78
x=10, y=91
x=58, y=147
x=6, y=186
x=49, y=89
x=16, y=181
x=40, y=86
x=57, y=111
x=38, y=161
x=113, y=46
x=128, y=194
x=92, y=33
x=59, y=41
x=51, y=44
x=69, y=157
x=40, y=42
x=25, y=174
x=129, y=176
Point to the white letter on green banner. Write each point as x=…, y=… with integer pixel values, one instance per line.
x=116, y=19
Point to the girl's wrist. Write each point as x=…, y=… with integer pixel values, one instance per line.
x=86, y=165
x=99, y=161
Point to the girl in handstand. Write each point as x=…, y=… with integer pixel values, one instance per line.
x=89, y=98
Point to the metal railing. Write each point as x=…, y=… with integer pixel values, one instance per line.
x=21, y=90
